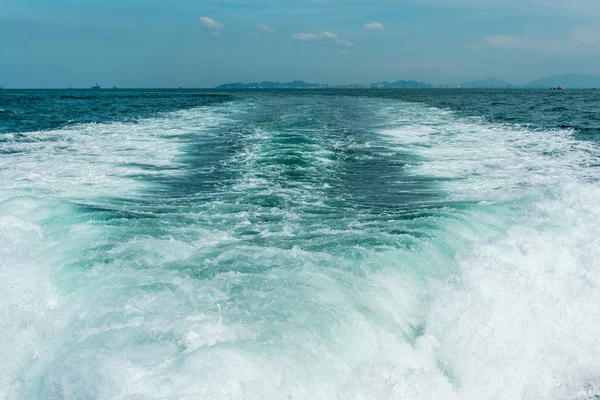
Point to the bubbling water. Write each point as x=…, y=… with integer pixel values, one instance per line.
x=229, y=254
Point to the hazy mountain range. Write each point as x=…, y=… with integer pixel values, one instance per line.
x=305, y=85
x=487, y=83
x=272, y=85
x=568, y=81
x=399, y=85
x=574, y=81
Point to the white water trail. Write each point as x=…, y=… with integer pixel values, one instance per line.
x=508, y=313
x=44, y=176
x=519, y=320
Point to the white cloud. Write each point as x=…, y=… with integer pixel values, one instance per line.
x=255, y=35
x=210, y=23
x=586, y=8
x=560, y=8
x=304, y=37
x=265, y=28
x=326, y=37
x=342, y=42
x=334, y=39
x=580, y=39
x=585, y=35
x=329, y=36
x=374, y=26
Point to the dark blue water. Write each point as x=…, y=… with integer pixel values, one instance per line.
x=24, y=110
x=299, y=244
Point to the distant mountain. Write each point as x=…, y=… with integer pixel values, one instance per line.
x=399, y=85
x=350, y=86
x=305, y=85
x=271, y=85
x=576, y=81
x=487, y=83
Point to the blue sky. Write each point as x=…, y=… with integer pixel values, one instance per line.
x=170, y=43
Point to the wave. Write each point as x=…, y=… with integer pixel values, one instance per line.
x=516, y=318
x=72, y=97
x=64, y=193
x=231, y=253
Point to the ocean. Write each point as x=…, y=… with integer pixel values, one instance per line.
x=327, y=244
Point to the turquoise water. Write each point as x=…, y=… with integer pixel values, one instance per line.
x=297, y=244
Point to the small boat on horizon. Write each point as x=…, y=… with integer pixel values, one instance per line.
x=96, y=87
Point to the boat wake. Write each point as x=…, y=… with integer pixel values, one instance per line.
x=302, y=247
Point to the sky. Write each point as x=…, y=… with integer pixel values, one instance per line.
x=203, y=43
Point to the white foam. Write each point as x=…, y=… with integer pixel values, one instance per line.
x=498, y=302
x=98, y=159
x=28, y=298
x=521, y=320
x=43, y=175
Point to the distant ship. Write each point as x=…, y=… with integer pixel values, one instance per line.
x=96, y=87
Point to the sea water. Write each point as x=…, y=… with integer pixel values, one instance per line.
x=432, y=244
